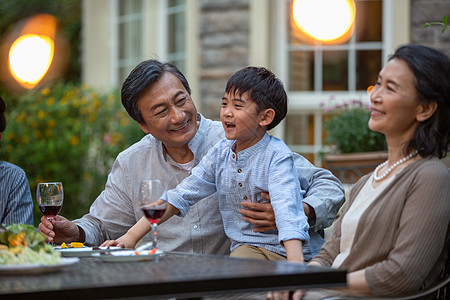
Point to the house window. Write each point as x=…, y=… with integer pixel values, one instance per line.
x=176, y=33
x=314, y=73
x=129, y=31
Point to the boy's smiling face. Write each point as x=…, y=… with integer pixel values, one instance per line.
x=241, y=120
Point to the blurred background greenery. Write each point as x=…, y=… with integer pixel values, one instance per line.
x=63, y=131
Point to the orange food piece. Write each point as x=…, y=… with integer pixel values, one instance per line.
x=18, y=239
x=76, y=244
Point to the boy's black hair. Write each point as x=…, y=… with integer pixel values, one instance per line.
x=263, y=87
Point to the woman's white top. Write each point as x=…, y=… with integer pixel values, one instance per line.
x=351, y=219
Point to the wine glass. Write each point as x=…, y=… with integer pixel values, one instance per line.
x=49, y=197
x=153, y=202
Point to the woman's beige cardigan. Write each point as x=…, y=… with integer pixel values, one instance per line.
x=402, y=239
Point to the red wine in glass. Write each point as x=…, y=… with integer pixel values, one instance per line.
x=50, y=211
x=49, y=198
x=153, y=203
x=153, y=214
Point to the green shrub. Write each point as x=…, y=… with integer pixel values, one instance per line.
x=67, y=133
x=347, y=128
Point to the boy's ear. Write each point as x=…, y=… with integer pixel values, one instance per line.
x=426, y=111
x=266, y=117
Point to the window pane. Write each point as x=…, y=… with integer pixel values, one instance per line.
x=127, y=7
x=368, y=64
x=175, y=3
x=299, y=129
x=335, y=70
x=176, y=40
x=176, y=33
x=301, y=70
x=368, y=21
x=129, y=35
x=122, y=44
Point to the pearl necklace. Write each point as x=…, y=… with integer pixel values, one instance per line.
x=388, y=171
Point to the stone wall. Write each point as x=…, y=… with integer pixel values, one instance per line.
x=423, y=11
x=224, y=40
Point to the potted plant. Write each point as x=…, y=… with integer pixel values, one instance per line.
x=355, y=149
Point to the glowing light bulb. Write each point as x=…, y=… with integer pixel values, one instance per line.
x=328, y=21
x=30, y=57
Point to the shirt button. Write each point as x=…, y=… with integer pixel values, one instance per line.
x=245, y=197
x=195, y=226
x=239, y=170
x=234, y=156
x=240, y=184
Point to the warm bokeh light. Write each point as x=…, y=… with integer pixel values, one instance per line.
x=32, y=48
x=369, y=89
x=327, y=21
x=30, y=57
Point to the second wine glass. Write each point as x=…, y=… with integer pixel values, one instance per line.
x=152, y=200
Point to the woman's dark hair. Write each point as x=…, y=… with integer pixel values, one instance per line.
x=142, y=76
x=2, y=115
x=263, y=88
x=431, y=70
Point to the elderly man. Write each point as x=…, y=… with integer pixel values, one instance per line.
x=157, y=96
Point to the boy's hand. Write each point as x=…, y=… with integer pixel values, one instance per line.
x=123, y=242
x=110, y=243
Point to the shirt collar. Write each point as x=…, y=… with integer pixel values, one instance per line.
x=258, y=147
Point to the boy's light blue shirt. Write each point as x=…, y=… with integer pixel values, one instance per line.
x=266, y=166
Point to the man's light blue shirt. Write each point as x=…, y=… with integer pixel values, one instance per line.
x=266, y=166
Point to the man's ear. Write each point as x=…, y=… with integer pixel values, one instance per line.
x=143, y=127
x=266, y=117
x=426, y=111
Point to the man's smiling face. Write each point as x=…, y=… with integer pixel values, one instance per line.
x=168, y=111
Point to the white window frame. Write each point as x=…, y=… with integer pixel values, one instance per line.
x=308, y=102
x=115, y=22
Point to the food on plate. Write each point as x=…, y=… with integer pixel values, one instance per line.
x=23, y=244
x=72, y=245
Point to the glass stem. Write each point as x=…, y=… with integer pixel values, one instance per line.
x=154, y=225
x=51, y=243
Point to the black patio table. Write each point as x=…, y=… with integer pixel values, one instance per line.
x=174, y=275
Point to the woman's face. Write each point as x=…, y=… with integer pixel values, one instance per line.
x=394, y=101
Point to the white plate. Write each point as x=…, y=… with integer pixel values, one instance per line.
x=83, y=251
x=128, y=255
x=27, y=269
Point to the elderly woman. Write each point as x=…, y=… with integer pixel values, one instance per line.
x=393, y=233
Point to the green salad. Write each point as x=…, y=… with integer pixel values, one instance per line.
x=23, y=244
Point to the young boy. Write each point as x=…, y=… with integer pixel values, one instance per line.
x=242, y=166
